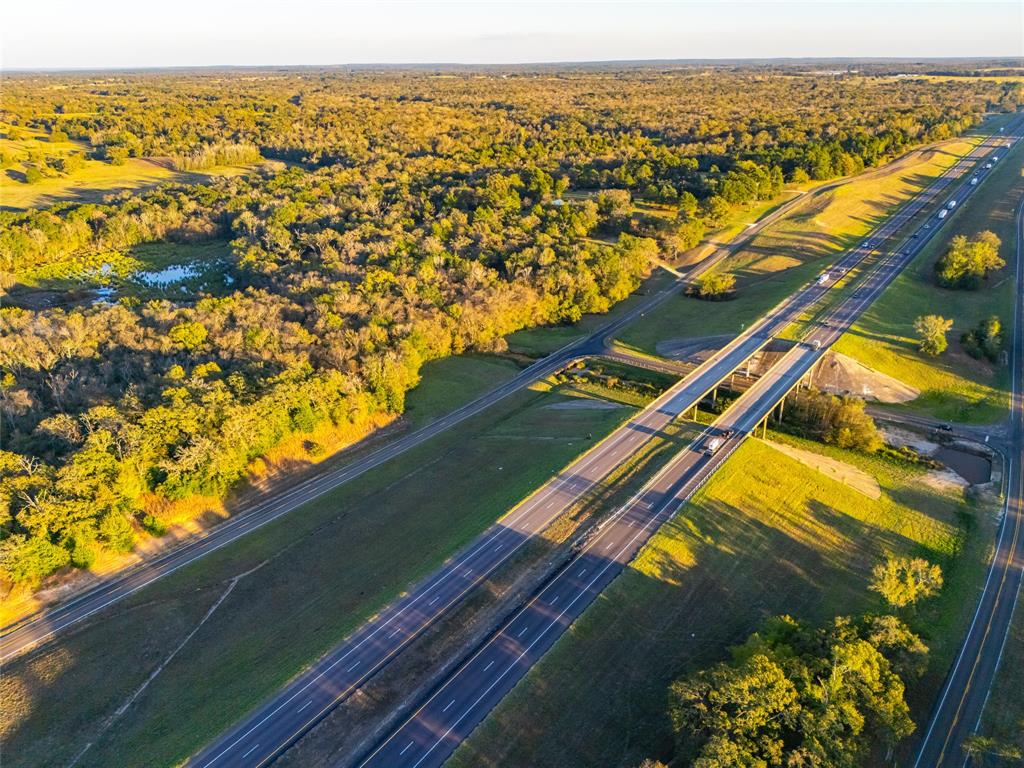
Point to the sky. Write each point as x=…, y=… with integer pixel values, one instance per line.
x=75, y=34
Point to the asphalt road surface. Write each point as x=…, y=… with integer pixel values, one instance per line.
x=272, y=728
x=450, y=714
x=17, y=638
x=961, y=704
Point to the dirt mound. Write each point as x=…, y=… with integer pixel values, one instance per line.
x=843, y=375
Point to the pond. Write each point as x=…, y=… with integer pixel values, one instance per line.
x=971, y=467
x=169, y=275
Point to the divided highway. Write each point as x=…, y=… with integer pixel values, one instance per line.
x=17, y=638
x=962, y=701
x=450, y=714
x=281, y=721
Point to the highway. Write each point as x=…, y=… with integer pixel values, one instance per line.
x=455, y=708
x=33, y=630
x=961, y=704
x=281, y=721
x=298, y=707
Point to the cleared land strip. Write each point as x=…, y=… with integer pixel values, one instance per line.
x=451, y=713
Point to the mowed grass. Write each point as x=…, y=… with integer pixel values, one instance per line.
x=451, y=382
x=954, y=386
x=320, y=572
x=767, y=535
x=90, y=183
x=793, y=250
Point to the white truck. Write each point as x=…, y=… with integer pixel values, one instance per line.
x=952, y=204
x=823, y=278
x=712, y=445
x=942, y=213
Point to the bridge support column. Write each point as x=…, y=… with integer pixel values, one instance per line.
x=782, y=404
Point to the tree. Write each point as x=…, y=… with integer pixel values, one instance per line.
x=715, y=286
x=840, y=421
x=905, y=580
x=966, y=263
x=32, y=174
x=796, y=695
x=931, y=331
x=29, y=559
x=189, y=335
x=986, y=340
x=116, y=532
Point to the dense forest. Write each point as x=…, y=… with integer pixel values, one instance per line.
x=412, y=215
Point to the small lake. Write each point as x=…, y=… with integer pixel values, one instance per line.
x=170, y=275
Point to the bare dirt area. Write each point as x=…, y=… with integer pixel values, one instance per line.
x=843, y=375
x=695, y=349
x=840, y=471
x=583, y=402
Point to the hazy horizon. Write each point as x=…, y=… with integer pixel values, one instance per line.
x=116, y=34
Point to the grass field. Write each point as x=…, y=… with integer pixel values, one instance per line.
x=954, y=386
x=790, y=252
x=767, y=535
x=319, y=573
x=91, y=182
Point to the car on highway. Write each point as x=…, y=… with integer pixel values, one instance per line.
x=712, y=445
x=942, y=213
x=988, y=165
x=974, y=181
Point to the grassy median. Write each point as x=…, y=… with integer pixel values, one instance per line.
x=767, y=535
